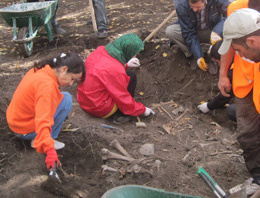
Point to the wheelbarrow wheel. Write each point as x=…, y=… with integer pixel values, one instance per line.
x=26, y=47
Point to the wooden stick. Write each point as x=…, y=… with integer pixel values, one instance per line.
x=94, y=23
x=159, y=27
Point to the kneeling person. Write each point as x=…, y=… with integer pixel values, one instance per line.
x=109, y=88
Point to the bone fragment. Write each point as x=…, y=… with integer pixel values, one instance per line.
x=106, y=155
x=117, y=145
x=106, y=168
x=158, y=163
x=136, y=168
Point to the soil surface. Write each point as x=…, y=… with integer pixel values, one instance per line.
x=184, y=138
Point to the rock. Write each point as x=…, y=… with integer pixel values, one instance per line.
x=147, y=149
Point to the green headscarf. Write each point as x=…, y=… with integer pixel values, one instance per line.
x=125, y=47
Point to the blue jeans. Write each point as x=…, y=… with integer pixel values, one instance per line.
x=61, y=113
x=100, y=14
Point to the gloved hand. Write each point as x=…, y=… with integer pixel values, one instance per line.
x=51, y=158
x=133, y=62
x=203, y=107
x=214, y=37
x=202, y=64
x=148, y=111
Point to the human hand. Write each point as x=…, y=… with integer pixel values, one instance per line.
x=148, y=111
x=203, y=107
x=51, y=158
x=224, y=85
x=133, y=62
x=202, y=64
x=214, y=37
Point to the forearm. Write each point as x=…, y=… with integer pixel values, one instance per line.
x=225, y=62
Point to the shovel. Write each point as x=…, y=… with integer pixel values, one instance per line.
x=92, y=11
x=216, y=188
x=159, y=27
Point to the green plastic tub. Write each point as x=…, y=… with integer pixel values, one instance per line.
x=137, y=191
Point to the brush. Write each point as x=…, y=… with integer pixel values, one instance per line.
x=139, y=123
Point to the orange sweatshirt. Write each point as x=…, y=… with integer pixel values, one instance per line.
x=33, y=106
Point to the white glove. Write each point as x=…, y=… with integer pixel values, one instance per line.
x=203, y=107
x=214, y=37
x=148, y=111
x=133, y=62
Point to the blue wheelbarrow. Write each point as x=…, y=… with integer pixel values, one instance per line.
x=138, y=191
x=26, y=20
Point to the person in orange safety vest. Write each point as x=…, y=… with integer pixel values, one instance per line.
x=242, y=35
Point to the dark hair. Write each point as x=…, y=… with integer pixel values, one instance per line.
x=242, y=40
x=254, y=4
x=214, y=50
x=196, y=1
x=73, y=61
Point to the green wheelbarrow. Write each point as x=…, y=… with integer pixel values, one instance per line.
x=138, y=191
x=26, y=19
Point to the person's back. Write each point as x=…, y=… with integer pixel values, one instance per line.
x=109, y=88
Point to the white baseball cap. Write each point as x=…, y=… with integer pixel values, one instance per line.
x=240, y=23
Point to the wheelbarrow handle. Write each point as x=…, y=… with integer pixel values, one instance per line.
x=209, y=184
x=201, y=171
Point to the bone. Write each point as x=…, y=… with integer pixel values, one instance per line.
x=136, y=169
x=185, y=111
x=106, y=168
x=158, y=163
x=106, y=155
x=118, y=146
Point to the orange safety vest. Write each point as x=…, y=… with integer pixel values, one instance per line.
x=243, y=72
x=256, y=90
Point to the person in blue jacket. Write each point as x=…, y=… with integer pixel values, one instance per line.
x=199, y=21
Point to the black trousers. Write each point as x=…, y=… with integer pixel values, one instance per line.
x=130, y=88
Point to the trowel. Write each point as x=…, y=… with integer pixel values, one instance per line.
x=53, y=172
x=219, y=192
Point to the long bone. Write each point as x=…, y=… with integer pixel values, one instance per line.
x=106, y=168
x=106, y=155
x=118, y=146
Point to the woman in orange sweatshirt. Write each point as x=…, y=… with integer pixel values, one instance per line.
x=38, y=107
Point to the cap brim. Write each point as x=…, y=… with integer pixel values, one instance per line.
x=225, y=46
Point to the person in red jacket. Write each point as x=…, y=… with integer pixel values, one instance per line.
x=109, y=88
x=38, y=107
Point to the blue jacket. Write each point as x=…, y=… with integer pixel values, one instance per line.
x=216, y=13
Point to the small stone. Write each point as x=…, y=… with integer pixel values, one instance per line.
x=147, y=149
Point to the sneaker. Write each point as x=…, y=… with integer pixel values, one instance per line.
x=193, y=63
x=121, y=119
x=59, y=30
x=213, y=67
x=252, y=189
x=239, y=187
x=102, y=34
x=57, y=145
x=170, y=43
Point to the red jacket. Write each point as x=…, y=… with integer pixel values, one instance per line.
x=105, y=85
